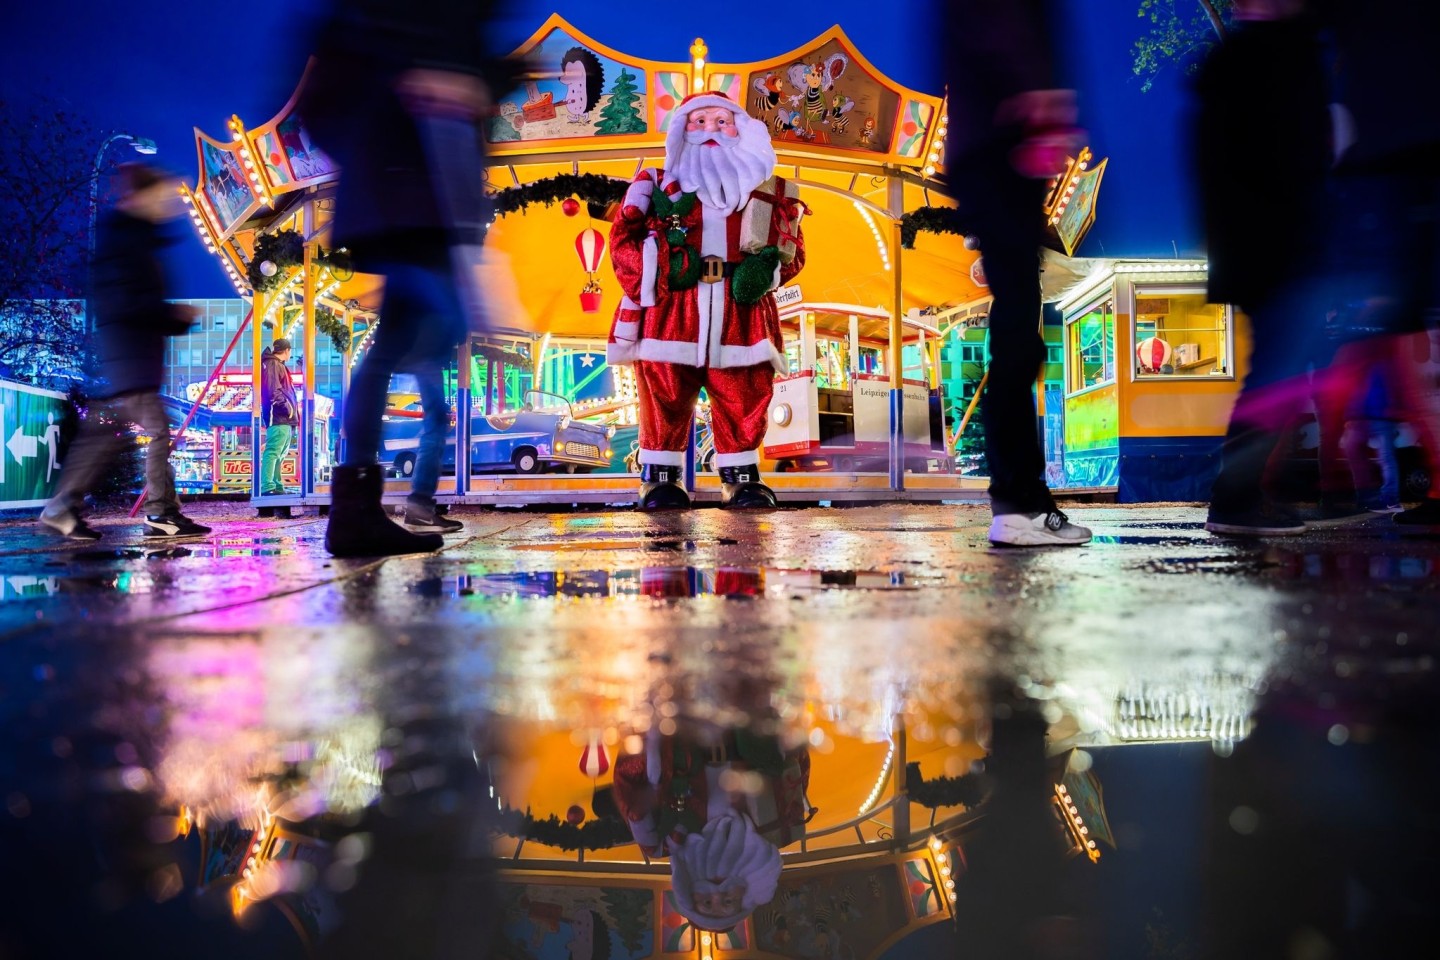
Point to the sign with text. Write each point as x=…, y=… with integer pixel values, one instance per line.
x=30, y=421
x=785, y=296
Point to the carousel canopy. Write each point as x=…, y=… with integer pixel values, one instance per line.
x=863, y=149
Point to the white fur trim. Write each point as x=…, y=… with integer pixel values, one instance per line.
x=754, y=354
x=750, y=458
x=649, y=271
x=714, y=232
x=621, y=354
x=775, y=283
x=675, y=136
x=625, y=330
x=710, y=305
x=662, y=458
x=639, y=194
x=668, y=351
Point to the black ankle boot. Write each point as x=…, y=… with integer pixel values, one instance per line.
x=359, y=525
x=741, y=487
x=660, y=488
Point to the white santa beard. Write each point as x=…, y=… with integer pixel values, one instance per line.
x=728, y=849
x=724, y=176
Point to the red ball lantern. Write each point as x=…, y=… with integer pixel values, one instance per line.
x=570, y=206
x=575, y=815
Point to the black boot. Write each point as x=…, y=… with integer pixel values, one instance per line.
x=660, y=488
x=741, y=487
x=359, y=525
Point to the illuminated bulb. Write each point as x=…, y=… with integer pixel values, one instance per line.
x=944, y=871
x=930, y=171
x=1090, y=844
x=949, y=884
x=235, y=135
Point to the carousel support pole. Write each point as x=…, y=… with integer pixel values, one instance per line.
x=807, y=341
x=462, y=419
x=306, y=459
x=897, y=774
x=257, y=426
x=854, y=346
x=346, y=359
x=895, y=188
x=690, y=447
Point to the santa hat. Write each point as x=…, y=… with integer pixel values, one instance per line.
x=675, y=136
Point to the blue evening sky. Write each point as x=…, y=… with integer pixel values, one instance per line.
x=157, y=68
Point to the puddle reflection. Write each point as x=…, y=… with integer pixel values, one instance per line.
x=662, y=582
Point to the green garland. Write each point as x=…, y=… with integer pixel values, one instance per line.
x=328, y=323
x=930, y=220
x=967, y=791
x=285, y=249
x=598, y=834
x=597, y=191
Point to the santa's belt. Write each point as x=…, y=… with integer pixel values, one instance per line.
x=715, y=269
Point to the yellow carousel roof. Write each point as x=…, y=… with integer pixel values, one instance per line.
x=842, y=130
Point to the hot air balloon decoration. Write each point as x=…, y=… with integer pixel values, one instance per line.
x=594, y=761
x=1153, y=354
x=590, y=247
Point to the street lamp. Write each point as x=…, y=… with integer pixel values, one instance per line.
x=141, y=145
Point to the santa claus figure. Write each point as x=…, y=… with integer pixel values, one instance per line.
x=698, y=248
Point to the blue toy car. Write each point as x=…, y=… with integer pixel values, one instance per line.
x=541, y=436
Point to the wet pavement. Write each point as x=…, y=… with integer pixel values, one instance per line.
x=236, y=744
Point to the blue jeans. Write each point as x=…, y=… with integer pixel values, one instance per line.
x=420, y=325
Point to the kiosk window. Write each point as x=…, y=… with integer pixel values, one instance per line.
x=1178, y=334
x=1090, y=345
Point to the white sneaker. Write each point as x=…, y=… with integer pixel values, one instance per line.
x=1052, y=529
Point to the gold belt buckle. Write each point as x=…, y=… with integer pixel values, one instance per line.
x=712, y=270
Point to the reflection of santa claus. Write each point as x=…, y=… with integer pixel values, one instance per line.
x=698, y=259
x=720, y=813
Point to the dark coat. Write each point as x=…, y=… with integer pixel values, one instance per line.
x=387, y=207
x=132, y=318
x=993, y=50
x=1389, y=72
x=278, y=403
x=1262, y=154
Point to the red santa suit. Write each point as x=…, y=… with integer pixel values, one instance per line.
x=683, y=333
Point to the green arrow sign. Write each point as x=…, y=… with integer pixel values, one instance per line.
x=30, y=421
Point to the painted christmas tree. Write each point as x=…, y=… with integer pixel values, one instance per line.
x=622, y=113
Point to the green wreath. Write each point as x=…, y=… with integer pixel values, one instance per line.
x=968, y=791
x=930, y=220
x=285, y=249
x=598, y=192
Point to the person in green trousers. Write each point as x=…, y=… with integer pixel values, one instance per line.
x=280, y=411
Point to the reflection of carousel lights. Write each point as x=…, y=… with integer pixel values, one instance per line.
x=879, y=789
x=942, y=859
x=881, y=247
x=1076, y=823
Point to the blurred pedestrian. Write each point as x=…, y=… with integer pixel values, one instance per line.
x=280, y=411
x=1388, y=241
x=395, y=96
x=132, y=322
x=1262, y=157
x=1011, y=127
x=1372, y=424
